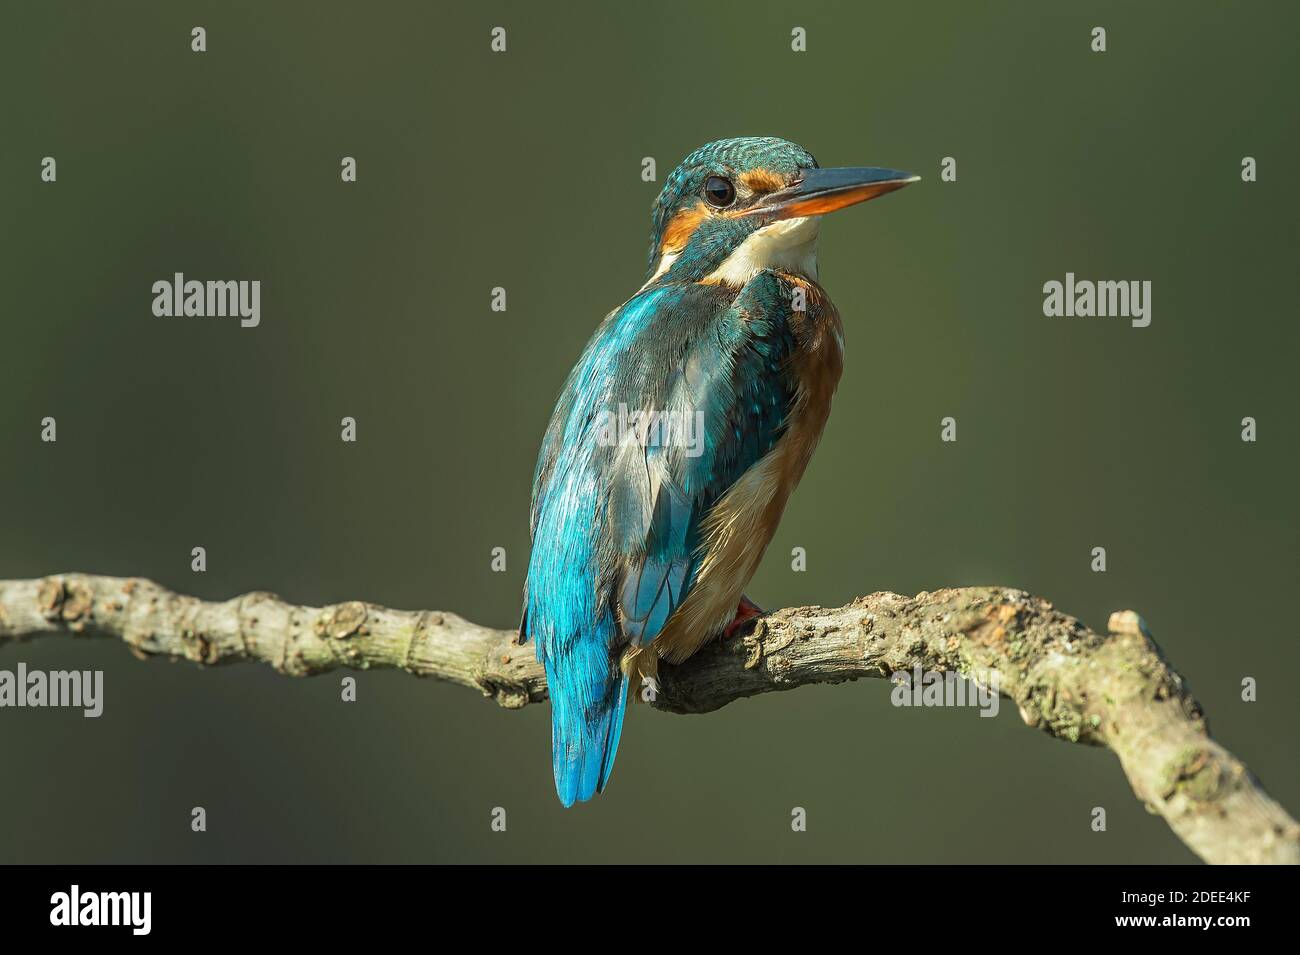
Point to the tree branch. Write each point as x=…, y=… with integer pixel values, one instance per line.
x=1114, y=690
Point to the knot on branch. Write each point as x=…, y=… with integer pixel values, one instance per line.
x=1128, y=623
x=991, y=627
x=1197, y=775
x=342, y=620
x=759, y=643
x=198, y=648
x=509, y=694
x=71, y=603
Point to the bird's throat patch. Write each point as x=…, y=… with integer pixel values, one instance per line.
x=787, y=245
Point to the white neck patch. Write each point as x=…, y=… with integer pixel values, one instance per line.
x=665, y=263
x=788, y=245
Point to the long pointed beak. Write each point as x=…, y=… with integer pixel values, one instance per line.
x=824, y=190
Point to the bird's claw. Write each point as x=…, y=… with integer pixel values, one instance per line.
x=746, y=613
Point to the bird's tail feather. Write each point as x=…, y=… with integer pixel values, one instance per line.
x=588, y=702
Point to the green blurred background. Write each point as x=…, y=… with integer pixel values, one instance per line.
x=523, y=170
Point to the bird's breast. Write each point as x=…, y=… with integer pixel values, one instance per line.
x=738, y=528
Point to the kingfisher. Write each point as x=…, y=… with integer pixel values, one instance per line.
x=679, y=436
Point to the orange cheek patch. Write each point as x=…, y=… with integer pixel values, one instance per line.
x=682, y=227
x=762, y=180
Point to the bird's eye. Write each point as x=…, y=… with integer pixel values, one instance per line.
x=720, y=192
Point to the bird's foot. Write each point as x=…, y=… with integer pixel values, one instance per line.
x=746, y=613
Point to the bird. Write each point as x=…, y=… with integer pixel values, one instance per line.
x=679, y=435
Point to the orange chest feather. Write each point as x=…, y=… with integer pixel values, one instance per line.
x=738, y=529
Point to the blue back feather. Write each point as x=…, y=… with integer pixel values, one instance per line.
x=616, y=530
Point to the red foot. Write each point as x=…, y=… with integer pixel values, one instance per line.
x=747, y=612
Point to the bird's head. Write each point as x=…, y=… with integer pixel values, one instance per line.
x=737, y=206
